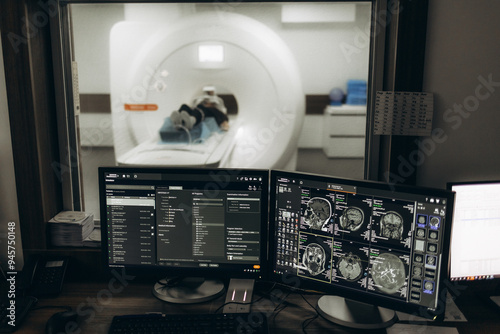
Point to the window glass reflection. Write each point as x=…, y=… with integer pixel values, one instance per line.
x=275, y=67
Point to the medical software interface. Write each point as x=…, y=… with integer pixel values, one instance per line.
x=374, y=241
x=475, y=246
x=185, y=220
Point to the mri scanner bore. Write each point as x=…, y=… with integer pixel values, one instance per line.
x=156, y=68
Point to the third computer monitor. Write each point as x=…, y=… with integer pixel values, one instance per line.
x=475, y=246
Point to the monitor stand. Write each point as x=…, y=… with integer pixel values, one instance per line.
x=188, y=290
x=239, y=295
x=495, y=293
x=354, y=314
x=496, y=300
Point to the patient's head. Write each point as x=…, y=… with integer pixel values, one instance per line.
x=209, y=90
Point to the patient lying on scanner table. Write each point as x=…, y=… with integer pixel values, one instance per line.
x=207, y=105
x=196, y=124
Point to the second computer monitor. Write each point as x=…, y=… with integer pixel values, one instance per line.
x=365, y=241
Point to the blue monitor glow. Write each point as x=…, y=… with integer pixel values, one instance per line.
x=361, y=241
x=474, y=248
x=194, y=226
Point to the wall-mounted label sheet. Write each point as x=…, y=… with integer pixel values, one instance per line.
x=403, y=113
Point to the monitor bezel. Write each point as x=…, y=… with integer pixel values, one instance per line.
x=159, y=272
x=296, y=282
x=490, y=283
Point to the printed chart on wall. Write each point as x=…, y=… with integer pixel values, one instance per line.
x=403, y=113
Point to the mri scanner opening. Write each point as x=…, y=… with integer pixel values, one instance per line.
x=157, y=68
x=263, y=60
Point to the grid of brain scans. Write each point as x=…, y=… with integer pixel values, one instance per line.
x=354, y=238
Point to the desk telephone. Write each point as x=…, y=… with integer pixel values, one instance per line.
x=43, y=276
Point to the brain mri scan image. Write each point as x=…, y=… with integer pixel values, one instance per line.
x=352, y=218
x=391, y=225
x=434, y=222
x=432, y=248
x=431, y=260
x=419, y=258
x=417, y=271
x=350, y=267
x=317, y=213
x=388, y=273
x=422, y=220
x=314, y=259
x=420, y=233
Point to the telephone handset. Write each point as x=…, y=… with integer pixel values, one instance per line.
x=43, y=276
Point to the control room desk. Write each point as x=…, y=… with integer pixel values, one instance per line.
x=97, y=304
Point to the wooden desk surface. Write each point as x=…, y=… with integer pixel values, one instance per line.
x=97, y=303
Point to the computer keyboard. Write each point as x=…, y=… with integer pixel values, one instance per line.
x=242, y=323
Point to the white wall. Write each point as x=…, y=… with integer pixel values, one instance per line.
x=463, y=47
x=8, y=194
x=320, y=48
x=328, y=54
x=91, y=25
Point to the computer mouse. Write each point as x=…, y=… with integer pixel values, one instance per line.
x=62, y=322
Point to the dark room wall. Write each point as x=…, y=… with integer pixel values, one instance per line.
x=462, y=69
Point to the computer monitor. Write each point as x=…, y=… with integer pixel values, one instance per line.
x=360, y=241
x=193, y=226
x=475, y=246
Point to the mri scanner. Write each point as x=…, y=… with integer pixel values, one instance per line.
x=155, y=67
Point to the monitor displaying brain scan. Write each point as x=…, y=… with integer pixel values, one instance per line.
x=362, y=240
